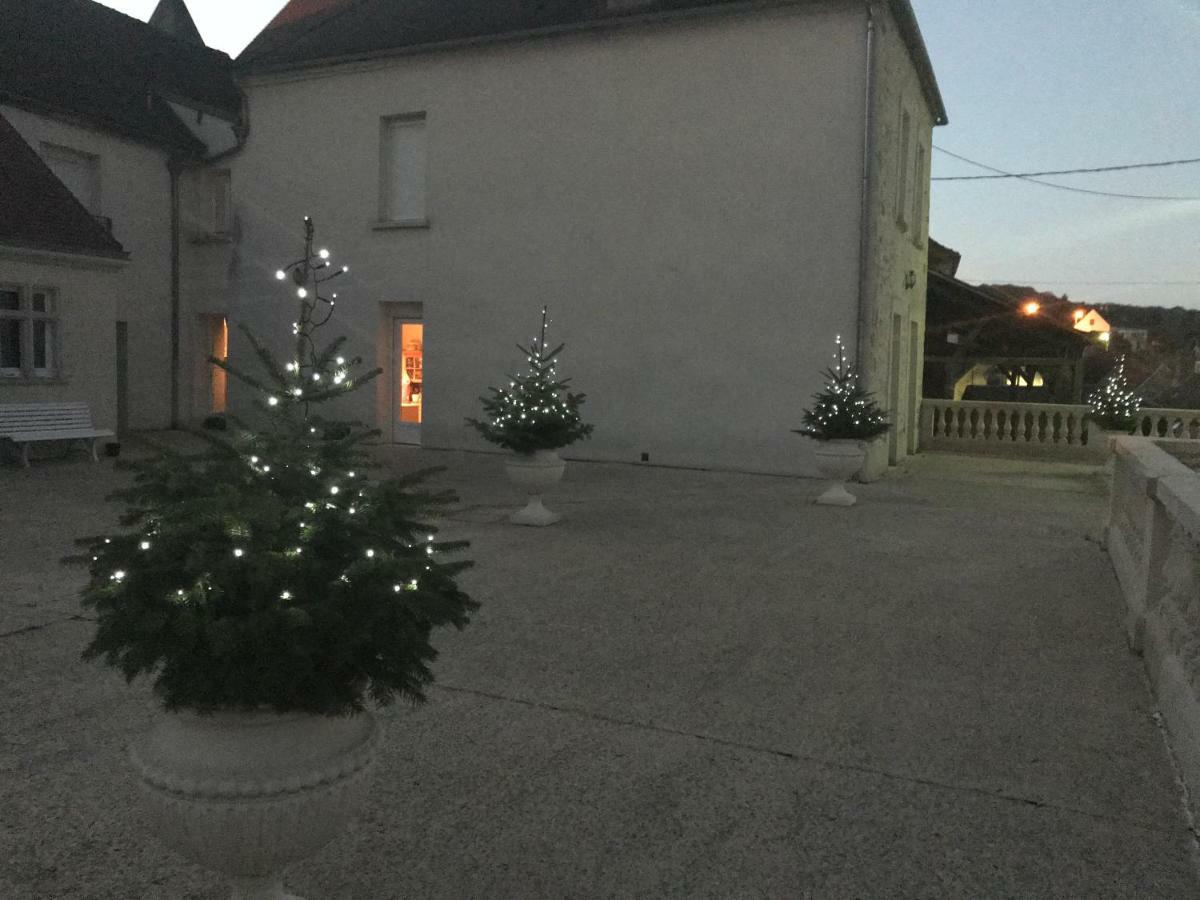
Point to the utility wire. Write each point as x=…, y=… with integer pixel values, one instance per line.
x=1153, y=165
x=1061, y=187
x=1091, y=283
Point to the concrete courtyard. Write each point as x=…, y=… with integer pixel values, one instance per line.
x=696, y=685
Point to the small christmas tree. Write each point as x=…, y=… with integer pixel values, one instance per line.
x=535, y=411
x=844, y=410
x=1113, y=405
x=270, y=570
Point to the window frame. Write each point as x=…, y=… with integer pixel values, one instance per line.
x=220, y=201
x=25, y=316
x=918, y=189
x=386, y=217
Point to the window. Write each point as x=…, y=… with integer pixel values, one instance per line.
x=220, y=197
x=402, y=176
x=80, y=172
x=903, y=202
x=920, y=185
x=28, y=332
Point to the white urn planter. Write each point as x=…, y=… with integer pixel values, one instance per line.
x=535, y=472
x=250, y=793
x=837, y=461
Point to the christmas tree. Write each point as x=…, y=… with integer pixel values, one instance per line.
x=843, y=410
x=270, y=570
x=1113, y=405
x=535, y=411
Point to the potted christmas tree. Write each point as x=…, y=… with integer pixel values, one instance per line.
x=1113, y=406
x=843, y=417
x=271, y=589
x=534, y=417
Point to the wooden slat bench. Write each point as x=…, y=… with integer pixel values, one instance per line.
x=28, y=423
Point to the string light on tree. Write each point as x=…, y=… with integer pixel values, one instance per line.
x=1113, y=405
x=844, y=410
x=287, y=501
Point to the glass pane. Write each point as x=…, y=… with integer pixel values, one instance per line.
x=9, y=299
x=43, y=355
x=412, y=371
x=39, y=301
x=406, y=149
x=10, y=345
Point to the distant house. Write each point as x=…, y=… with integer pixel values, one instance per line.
x=705, y=192
x=1090, y=321
x=108, y=127
x=981, y=344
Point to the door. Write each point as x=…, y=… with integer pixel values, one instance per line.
x=407, y=372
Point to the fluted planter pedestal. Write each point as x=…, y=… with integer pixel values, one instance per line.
x=837, y=461
x=535, y=472
x=248, y=794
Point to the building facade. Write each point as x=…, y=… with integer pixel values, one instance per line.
x=704, y=195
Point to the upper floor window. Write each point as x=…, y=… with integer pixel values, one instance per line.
x=402, y=169
x=79, y=171
x=919, y=192
x=220, y=204
x=903, y=172
x=28, y=332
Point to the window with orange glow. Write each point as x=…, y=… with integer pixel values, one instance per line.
x=412, y=343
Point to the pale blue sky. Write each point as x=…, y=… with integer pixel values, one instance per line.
x=1029, y=85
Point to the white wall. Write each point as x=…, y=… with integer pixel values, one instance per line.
x=686, y=198
x=135, y=194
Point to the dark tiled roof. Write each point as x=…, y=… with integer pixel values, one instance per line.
x=38, y=211
x=316, y=32
x=85, y=60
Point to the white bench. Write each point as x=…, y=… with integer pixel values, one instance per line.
x=27, y=423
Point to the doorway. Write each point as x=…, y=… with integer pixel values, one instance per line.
x=408, y=380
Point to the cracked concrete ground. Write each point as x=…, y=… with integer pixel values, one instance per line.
x=697, y=684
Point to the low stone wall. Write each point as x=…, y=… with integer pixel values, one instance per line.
x=1153, y=539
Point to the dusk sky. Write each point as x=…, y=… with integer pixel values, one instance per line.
x=1029, y=86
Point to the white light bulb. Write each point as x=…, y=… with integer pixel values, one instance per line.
x=345, y=268
x=273, y=401
x=239, y=552
x=145, y=545
x=341, y=360
x=280, y=274
x=324, y=254
x=396, y=588
x=370, y=554
x=118, y=575
x=286, y=595
x=334, y=489
x=351, y=474
x=296, y=392
x=301, y=293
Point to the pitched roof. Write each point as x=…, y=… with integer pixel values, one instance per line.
x=38, y=211
x=323, y=32
x=172, y=17
x=82, y=59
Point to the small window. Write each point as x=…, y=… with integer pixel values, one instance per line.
x=220, y=201
x=28, y=333
x=919, y=189
x=79, y=171
x=902, y=174
x=402, y=169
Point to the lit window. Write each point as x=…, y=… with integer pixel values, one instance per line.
x=402, y=169
x=28, y=332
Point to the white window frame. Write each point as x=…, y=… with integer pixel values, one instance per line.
x=25, y=315
x=387, y=217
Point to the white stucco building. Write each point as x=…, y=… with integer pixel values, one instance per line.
x=704, y=193
x=112, y=200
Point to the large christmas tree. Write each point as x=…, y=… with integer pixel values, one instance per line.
x=1113, y=405
x=535, y=411
x=844, y=410
x=271, y=570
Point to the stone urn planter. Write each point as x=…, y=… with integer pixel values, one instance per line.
x=249, y=793
x=837, y=461
x=535, y=472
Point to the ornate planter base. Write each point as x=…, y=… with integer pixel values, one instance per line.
x=248, y=794
x=838, y=461
x=535, y=472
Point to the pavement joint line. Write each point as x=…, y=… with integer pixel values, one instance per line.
x=42, y=625
x=821, y=761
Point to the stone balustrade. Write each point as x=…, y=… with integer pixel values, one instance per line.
x=1053, y=430
x=1153, y=539
x=1169, y=423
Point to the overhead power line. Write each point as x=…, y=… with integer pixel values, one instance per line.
x=1036, y=281
x=1151, y=165
x=1057, y=186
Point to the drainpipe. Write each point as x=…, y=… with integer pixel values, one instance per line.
x=866, y=232
x=174, y=166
